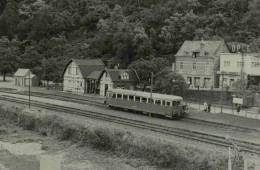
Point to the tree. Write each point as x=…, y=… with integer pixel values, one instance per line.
x=144, y=68
x=170, y=83
x=9, y=51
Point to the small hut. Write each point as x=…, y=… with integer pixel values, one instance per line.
x=23, y=77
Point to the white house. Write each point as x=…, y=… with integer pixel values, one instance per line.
x=118, y=78
x=232, y=65
x=81, y=75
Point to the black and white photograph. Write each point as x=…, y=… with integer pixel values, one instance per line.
x=129, y=84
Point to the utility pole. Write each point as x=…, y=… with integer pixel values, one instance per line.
x=151, y=95
x=29, y=88
x=222, y=78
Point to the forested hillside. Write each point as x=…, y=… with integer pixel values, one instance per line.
x=44, y=34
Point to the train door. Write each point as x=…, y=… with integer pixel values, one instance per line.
x=168, y=108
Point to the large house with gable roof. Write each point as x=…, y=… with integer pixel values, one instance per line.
x=199, y=61
x=118, y=78
x=81, y=75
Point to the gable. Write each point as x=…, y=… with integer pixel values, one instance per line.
x=199, y=48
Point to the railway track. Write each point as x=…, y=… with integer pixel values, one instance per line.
x=101, y=104
x=183, y=133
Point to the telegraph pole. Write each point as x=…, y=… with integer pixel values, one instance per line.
x=151, y=94
x=29, y=88
x=222, y=75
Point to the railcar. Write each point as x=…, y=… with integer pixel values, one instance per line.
x=154, y=103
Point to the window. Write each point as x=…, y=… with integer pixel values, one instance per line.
x=125, y=97
x=137, y=99
x=131, y=98
x=168, y=103
x=181, y=65
x=174, y=103
x=69, y=70
x=119, y=96
x=194, y=65
x=207, y=66
x=239, y=64
x=77, y=70
x=158, y=102
x=114, y=96
x=151, y=101
x=144, y=100
x=163, y=102
x=124, y=76
x=254, y=64
x=226, y=63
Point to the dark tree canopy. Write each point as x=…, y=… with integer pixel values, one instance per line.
x=118, y=30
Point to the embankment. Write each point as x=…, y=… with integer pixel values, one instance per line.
x=121, y=142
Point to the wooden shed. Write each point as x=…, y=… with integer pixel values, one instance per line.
x=23, y=77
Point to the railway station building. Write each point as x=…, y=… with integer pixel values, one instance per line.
x=81, y=75
x=118, y=78
x=24, y=77
x=198, y=62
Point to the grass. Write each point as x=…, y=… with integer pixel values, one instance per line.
x=154, y=152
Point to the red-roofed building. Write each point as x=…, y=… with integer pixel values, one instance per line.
x=81, y=75
x=118, y=78
x=198, y=62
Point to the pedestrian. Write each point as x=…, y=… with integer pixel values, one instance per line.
x=209, y=105
x=238, y=108
x=205, y=105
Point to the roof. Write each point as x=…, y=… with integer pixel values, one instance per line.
x=115, y=74
x=146, y=94
x=94, y=75
x=200, y=47
x=87, y=67
x=21, y=72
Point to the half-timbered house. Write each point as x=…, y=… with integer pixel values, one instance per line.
x=81, y=75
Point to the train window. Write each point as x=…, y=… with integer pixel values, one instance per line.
x=114, y=96
x=131, y=98
x=144, y=100
x=137, y=99
x=168, y=103
x=173, y=103
x=125, y=97
x=151, y=101
x=158, y=102
x=163, y=102
x=119, y=96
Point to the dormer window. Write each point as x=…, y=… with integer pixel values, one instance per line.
x=195, y=54
x=124, y=76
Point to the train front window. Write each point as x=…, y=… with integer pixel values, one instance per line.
x=114, y=96
x=150, y=100
x=174, y=103
x=168, y=103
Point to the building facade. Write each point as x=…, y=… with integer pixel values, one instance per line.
x=198, y=62
x=235, y=66
x=24, y=77
x=118, y=78
x=81, y=75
